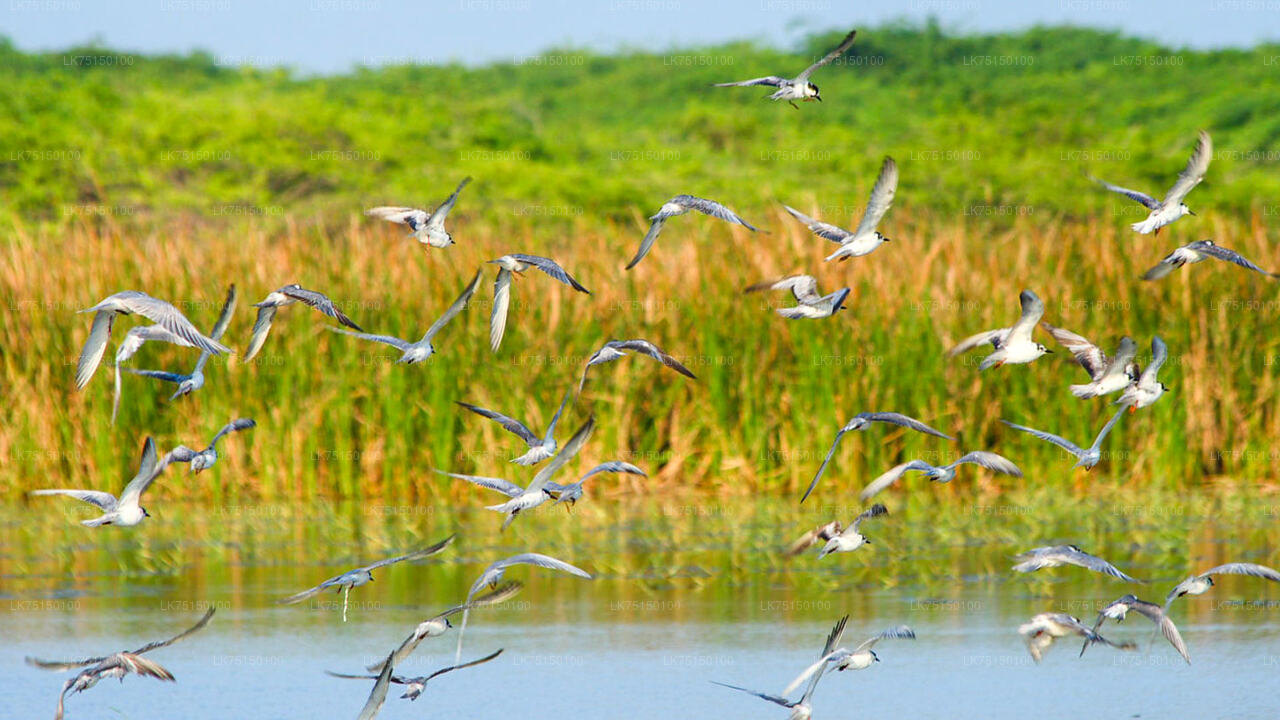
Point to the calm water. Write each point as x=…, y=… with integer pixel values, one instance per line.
x=684, y=594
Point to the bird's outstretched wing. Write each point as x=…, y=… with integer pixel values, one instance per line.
x=1218, y=252
x=1137, y=196
x=823, y=230
x=439, y=214
x=508, y=423
x=840, y=49
x=454, y=309
x=415, y=555
x=394, y=342
x=505, y=487
x=320, y=302
x=234, y=426
x=881, y=198
x=713, y=209
x=1193, y=173
x=1058, y=440
x=772, y=80
x=552, y=268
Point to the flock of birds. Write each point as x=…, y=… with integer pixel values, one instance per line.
x=1137, y=387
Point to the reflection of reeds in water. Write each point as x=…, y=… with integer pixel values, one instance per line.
x=337, y=419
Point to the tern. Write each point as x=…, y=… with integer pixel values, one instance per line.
x=414, y=353
x=125, y=511
x=415, y=686
x=439, y=624
x=132, y=302
x=1013, y=345
x=362, y=575
x=862, y=421
x=537, y=493
x=835, y=537
x=428, y=228
x=1106, y=375
x=540, y=448
x=1198, y=251
x=572, y=492
x=130, y=345
x=1147, y=389
x=679, y=205
x=800, y=709
x=1085, y=458
x=1041, y=630
x=1118, y=609
x=1200, y=584
x=205, y=459
x=1164, y=212
x=1059, y=555
x=288, y=295
x=841, y=659
x=865, y=238
x=115, y=665
x=944, y=473
x=492, y=575
x=518, y=263
x=799, y=87
x=192, y=382
x=615, y=349
x=804, y=288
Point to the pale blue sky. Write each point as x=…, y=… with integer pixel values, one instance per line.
x=333, y=35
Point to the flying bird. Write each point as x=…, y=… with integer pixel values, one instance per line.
x=415, y=686
x=362, y=575
x=679, y=205
x=188, y=383
x=860, y=658
x=1147, y=388
x=115, y=665
x=572, y=492
x=1041, y=630
x=130, y=345
x=518, y=263
x=835, y=537
x=615, y=349
x=428, y=228
x=1085, y=457
x=1013, y=345
x=865, y=238
x=799, y=87
x=540, y=448
x=125, y=511
x=438, y=625
x=414, y=353
x=1200, y=584
x=862, y=421
x=1106, y=375
x=944, y=473
x=1172, y=207
x=804, y=288
x=132, y=302
x=1198, y=251
x=205, y=459
x=800, y=709
x=288, y=295
x=1118, y=609
x=1059, y=555
x=493, y=574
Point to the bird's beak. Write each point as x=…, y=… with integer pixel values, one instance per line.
x=1050, y=352
x=818, y=98
x=1190, y=211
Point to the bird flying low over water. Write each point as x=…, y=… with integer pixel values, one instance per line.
x=804, y=288
x=1107, y=375
x=799, y=87
x=572, y=492
x=540, y=448
x=1200, y=584
x=800, y=709
x=288, y=295
x=1199, y=251
x=192, y=382
x=115, y=665
x=944, y=473
x=132, y=302
x=836, y=538
x=439, y=624
x=1013, y=345
x=679, y=205
x=864, y=239
x=493, y=574
x=362, y=575
x=860, y=658
x=414, y=353
x=1085, y=457
x=1164, y=212
x=518, y=263
x=1059, y=555
x=615, y=349
x=124, y=511
x=428, y=228
x=205, y=459
x=1041, y=630
x=1147, y=389
x=1118, y=609
x=862, y=421
x=415, y=686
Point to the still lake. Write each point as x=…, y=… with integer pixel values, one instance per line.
x=685, y=593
